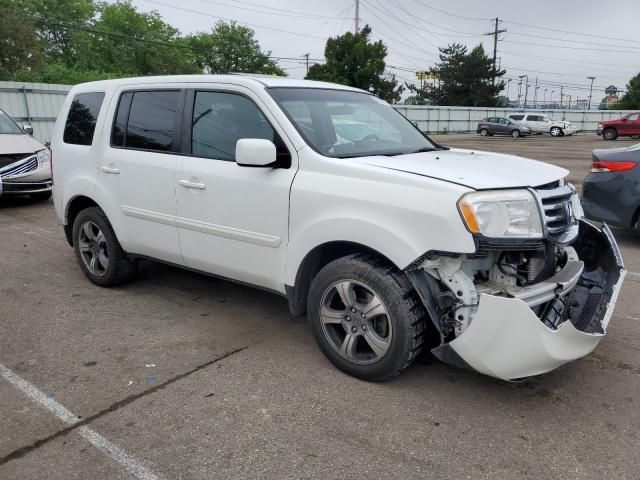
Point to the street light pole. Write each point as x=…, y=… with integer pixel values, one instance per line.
x=544, y=96
x=551, y=98
x=508, y=82
x=590, y=91
x=525, y=98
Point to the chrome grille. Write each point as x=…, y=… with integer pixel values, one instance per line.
x=558, y=211
x=23, y=166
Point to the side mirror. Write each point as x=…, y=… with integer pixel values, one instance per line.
x=255, y=152
x=28, y=129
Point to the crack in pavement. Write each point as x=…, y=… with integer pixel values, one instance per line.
x=22, y=451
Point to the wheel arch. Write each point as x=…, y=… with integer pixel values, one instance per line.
x=73, y=207
x=314, y=261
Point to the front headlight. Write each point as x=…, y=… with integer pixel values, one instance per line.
x=501, y=214
x=600, y=125
x=44, y=156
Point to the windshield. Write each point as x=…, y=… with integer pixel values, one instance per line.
x=342, y=124
x=7, y=125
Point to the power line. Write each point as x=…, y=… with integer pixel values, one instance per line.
x=568, y=47
x=451, y=14
x=272, y=11
x=591, y=35
x=197, y=12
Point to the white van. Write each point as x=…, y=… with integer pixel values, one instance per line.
x=325, y=194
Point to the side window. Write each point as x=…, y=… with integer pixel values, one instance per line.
x=633, y=117
x=146, y=120
x=81, y=119
x=220, y=119
x=503, y=121
x=151, y=120
x=532, y=118
x=516, y=117
x=491, y=120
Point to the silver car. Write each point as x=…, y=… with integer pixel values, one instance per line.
x=25, y=164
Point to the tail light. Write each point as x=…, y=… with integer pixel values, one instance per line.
x=600, y=166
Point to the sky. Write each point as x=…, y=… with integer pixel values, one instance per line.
x=557, y=42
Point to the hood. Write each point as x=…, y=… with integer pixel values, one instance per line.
x=18, y=143
x=474, y=169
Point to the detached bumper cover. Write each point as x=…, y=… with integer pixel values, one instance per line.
x=507, y=340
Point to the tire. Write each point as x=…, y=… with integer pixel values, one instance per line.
x=484, y=132
x=40, y=196
x=609, y=134
x=515, y=133
x=93, y=238
x=396, y=328
x=556, y=132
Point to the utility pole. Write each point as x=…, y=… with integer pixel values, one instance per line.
x=306, y=56
x=526, y=90
x=520, y=87
x=544, y=97
x=561, y=95
x=496, y=32
x=590, y=91
x=508, y=82
x=551, y=98
x=535, y=95
x=357, y=16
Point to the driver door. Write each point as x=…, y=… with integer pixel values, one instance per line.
x=232, y=220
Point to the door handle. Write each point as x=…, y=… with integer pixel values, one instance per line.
x=115, y=171
x=195, y=185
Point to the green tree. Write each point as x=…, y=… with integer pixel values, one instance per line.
x=463, y=79
x=20, y=47
x=230, y=47
x=631, y=99
x=56, y=20
x=351, y=59
x=124, y=40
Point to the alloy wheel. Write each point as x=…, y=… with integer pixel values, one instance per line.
x=93, y=248
x=355, y=322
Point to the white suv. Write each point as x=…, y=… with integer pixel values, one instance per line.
x=325, y=194
x=542, y=124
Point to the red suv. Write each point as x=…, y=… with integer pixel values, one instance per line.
x=627, y=126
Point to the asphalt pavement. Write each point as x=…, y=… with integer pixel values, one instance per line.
x=183, y=376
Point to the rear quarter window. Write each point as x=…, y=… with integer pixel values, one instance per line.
x=516, y=117
x=81, y=119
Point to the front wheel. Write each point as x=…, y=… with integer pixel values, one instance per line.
x=609, y=134
x=365, y=317
x=556, y=132
x=98, y=251
x=515, y=133
x=484, y=132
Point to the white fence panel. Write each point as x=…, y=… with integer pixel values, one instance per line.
x=37, y=104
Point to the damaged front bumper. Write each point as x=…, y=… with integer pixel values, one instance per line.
x=507, y=339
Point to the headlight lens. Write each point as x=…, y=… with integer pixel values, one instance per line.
x=600, y=125
x=44, y=156
x=501, y=214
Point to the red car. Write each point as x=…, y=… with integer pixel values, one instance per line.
x=627, y=126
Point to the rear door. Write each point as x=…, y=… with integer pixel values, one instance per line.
x=632, y=125
x=536, y=123
x=138, y=170
x=232, y=220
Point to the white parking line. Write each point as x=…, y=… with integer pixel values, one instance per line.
x=133, y=466
x=633, y=274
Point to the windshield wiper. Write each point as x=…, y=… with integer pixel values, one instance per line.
x=425, y=149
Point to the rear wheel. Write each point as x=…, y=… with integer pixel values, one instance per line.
x=555, y=131
x=98, y=251
x=365, y=317
x=609, y=134
x=484, y=132
x=515, y=133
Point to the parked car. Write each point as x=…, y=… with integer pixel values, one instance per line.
x=542, y=124
x=502, y=126
x=390, y=242
x=627, y=126
x=25, y=167
x=611, y=192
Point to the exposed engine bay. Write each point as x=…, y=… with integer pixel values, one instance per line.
x=559, y=283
